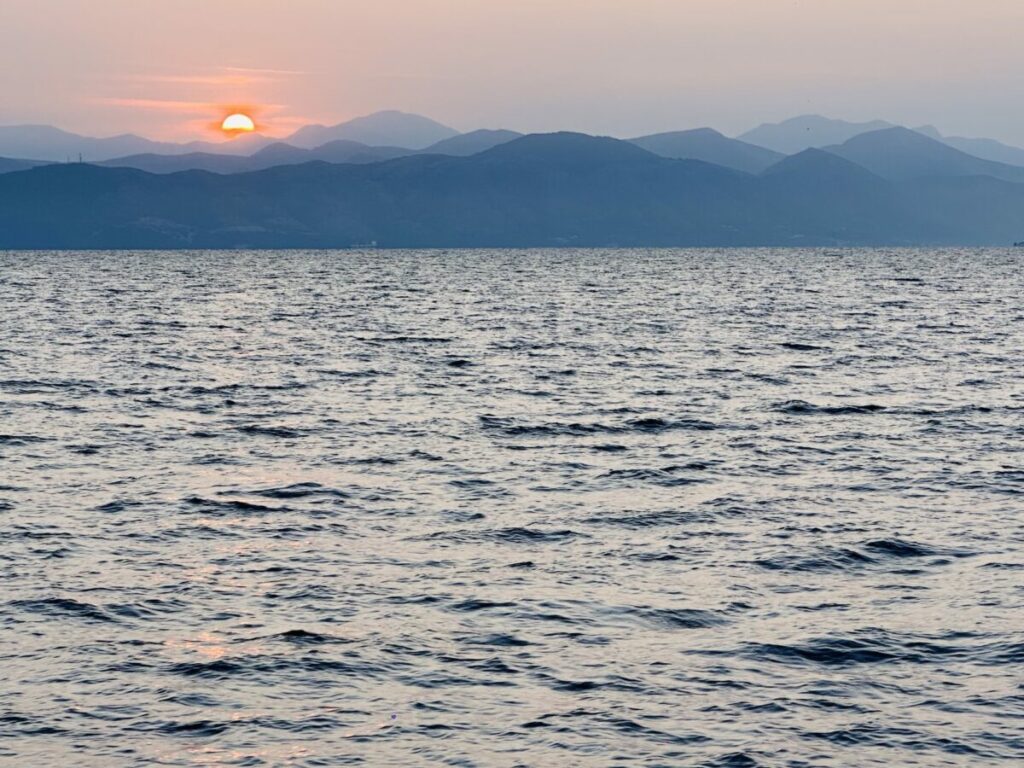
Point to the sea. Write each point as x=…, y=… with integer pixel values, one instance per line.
x=711, y=508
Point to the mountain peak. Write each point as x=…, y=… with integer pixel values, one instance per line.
x=568, y=148
x=901, y=154
x=471, y=143
x=710, y=146
x=821, y=164
x=388, y=128
x=799, y=133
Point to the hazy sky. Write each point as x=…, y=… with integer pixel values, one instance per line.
x=167, y=68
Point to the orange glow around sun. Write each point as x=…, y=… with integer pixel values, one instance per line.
x=238, y=123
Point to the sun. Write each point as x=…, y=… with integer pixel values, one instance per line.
x=238, y=123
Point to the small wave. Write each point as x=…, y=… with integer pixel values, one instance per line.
x=797, y=346
x=218, y=669
x=510, y=428
x=60, y=607
x=899, y=548
x=873, y=552
x=831, y=560
x=147, y=609
x=234, y=505
x=85, y=450
x=650, y=425
x=894, y=737
x=300, y=491
x=118, y=505
x=285, y=433
x=655, y=557
x=802, y=408
x=654, y=425
x=881, y=647
x=21, y=440
x=500, y=640
x=643, y=519
x=669, y=618
x=408, y=339
x=305, y=637
x=532, y=535
x=472, y=606
x=666, y=477
x=367, y=374
x=733, y=760
x=191, y=729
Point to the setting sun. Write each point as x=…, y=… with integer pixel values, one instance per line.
x=238, y=123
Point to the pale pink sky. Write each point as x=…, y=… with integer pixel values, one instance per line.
x=166, y=68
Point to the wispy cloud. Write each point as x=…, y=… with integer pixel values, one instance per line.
x=196, y=102
x=213, y=80
x=183, y=107
x=280, y=72
x=219, y=77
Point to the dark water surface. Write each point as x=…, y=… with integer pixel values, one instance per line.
x=512, y=508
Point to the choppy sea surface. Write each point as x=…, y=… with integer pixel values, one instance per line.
x=574, y=508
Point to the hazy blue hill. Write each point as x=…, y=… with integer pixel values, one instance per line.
x=807, y=132
x=472, y=143
x=986, y=149
x=899, y=154
x=340, y=151
x=154, y=163
x=390, y=128
x=538, y=190
x=836, y=197
x=710, y=146
x=561, y=189
x=971, y=210
x=8, y=165
x=819, y=166
x=44, y=142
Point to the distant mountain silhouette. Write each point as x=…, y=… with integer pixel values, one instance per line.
x=472, y=143
x=901, y=154
x=391, y=128
x=280, y=153
x=272, y=155
x=338, y=151
x=808, y=132
x=837, y=196
x=193, y=161
x=8, y=165
x=986, y=149
x=44, y=142
x=971, y=210
x=710, y=146
x=539, y=190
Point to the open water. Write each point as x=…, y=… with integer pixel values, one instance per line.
x=561, y=508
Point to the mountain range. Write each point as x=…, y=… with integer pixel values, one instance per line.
x=280, y=153
x=808, y=132
x=710, y=146
x=390, y=128
x=855, y=183
x=536, y=190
